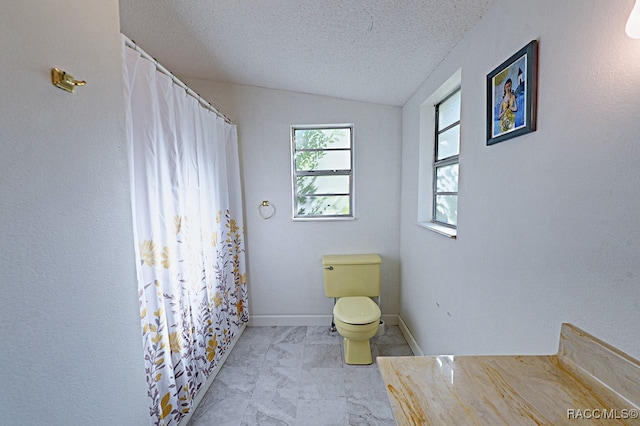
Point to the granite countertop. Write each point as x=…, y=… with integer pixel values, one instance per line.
x=587, y=381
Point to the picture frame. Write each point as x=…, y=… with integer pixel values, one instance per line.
x=512, y=96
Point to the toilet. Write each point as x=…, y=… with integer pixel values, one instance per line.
x=353, y=279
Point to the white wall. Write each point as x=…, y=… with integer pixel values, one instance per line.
x=549, y=230
x=71, y=349
x=284, y=257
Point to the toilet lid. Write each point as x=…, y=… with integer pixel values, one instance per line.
x=356, y=310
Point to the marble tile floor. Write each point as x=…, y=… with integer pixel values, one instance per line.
x=297, y=376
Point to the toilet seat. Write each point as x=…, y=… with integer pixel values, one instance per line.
x=356, y=310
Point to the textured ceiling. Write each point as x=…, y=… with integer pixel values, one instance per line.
x=375, y=51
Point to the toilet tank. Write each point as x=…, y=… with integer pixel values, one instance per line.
x=351, y=275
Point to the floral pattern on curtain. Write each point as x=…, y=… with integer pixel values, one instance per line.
x=188, y=230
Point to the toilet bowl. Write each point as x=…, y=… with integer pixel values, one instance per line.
x=353, y=279
x=357, y=320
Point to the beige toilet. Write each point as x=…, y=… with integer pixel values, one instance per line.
x=353, y=279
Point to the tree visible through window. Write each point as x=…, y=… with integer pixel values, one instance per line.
x=322, y=171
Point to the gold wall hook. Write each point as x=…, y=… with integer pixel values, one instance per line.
x=65, y=81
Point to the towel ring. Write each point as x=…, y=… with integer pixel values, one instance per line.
x=270, y=214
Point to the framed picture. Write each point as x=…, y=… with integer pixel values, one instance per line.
x=511, y=96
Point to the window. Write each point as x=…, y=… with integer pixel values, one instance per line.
x=438, y=158
x=445, y=163
x=322, y=171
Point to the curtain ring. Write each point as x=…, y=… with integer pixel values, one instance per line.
x=270, y=214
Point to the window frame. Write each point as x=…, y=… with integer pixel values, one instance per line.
x=444, y=162
x=426, y=111
x=319, y=173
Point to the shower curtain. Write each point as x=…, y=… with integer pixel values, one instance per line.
x=188, y=231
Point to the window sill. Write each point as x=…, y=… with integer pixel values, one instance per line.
x=323, y=219
x=439, y=229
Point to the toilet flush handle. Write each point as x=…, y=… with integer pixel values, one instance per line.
x=329, y=268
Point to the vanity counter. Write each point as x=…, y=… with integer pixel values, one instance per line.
x=586, y=380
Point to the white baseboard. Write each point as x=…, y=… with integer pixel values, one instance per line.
x=205, y=387
x=302, y=320
x=289, y=320
x=413, y=344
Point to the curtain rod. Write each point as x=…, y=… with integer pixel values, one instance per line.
x=203, y=102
